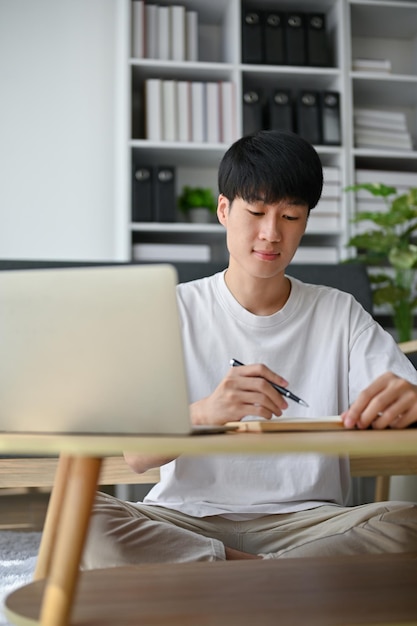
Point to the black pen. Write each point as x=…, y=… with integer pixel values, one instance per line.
x=282, y=390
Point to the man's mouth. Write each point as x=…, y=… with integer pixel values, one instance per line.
x=266, y=255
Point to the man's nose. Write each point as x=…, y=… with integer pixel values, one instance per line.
x=270, y=229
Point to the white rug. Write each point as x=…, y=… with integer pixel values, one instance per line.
x=18, y=552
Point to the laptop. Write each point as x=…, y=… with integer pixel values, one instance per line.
x=93, y=350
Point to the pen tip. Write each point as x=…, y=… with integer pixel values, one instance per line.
x=304, y=403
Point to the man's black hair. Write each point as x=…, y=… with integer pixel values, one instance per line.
x=271, y=166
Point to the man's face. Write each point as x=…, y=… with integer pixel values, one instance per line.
x=262, y=238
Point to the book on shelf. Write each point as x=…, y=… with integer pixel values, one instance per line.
x=164, y=197
x=252, y=36
x=198, y=111
x=190, y=111
x=323, y=222
x=295, y=39
x=363, y=123
x=212, y=93
x=283, y=423
x=379, y=114
x=252, y=111
x=169, y=110
x=383, y=139
x=138, y=29
x=316, y=40
x=371, y=65
x=142, y=193
x=164, y=34
x=309, y=116
x=151, y=31
x=191, y=35
x=273, y=24
x=177, y=32
x=330, y=118
x=170, y=252
x=281, y=110
x=153, y=110
x=184, y=110
x=328, y=205
x=228, y=106
x=331, y=174
x=331, y=191
x=400, y=180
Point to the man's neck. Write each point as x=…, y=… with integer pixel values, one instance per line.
x=260, y=296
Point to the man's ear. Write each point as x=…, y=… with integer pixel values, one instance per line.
x=222, y=209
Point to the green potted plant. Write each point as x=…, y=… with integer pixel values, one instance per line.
x=389, y=246
x=197, y=203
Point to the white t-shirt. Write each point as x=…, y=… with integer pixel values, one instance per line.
x=324, y=344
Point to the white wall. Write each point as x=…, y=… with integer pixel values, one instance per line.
x=57, y=129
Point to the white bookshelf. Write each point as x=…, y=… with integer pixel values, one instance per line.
x=355, y=28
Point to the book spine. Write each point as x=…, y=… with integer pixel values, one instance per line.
x=184, y=110
x=252, y=111
x=153, y=111
x=213, y=112
x=177, y=21
x=164, y=34
x=164, y=194
x=138, y=29
x=142, y=210
x=191, y=30
x=198, y=112
x=308, y=116
x=295, y=39
x=252, y=37
x=169, y=110
x=151, y=32
x=317, y=53
x=228, y=124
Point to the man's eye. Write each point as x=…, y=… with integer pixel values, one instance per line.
x=291, y=218
x=256, y=213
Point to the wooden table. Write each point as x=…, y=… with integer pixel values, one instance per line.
x=75, y=487
x=327, y=591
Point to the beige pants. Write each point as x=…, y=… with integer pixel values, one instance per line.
x=124, y=533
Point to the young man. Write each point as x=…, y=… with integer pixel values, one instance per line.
x=320, y=340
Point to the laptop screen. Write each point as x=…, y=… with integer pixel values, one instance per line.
x=92, y=349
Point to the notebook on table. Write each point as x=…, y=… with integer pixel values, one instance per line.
x=93, y=350
x=279, y=424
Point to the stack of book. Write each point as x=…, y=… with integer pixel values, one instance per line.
x=196, y=111
x=325, y=217
x=169, y=33
x=381, y=129
x=371, y=65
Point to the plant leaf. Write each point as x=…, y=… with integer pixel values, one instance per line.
x=376, y=189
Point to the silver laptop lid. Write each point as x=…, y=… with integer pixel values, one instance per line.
x=92, y=350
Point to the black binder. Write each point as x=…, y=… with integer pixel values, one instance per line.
x=273, y=25
x=308, y=116
x=252, y=111
x=142, y=194
x=281, y=115
x=164, y=194
x=330, y=118
x=317, y=51
x=295, y=39
x=252, y=36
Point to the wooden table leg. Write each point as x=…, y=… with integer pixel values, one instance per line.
x=70, y=534
x=52, y=518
